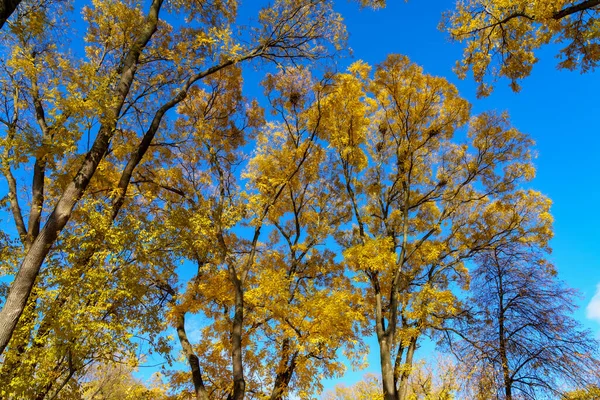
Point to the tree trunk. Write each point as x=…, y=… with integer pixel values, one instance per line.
x=285, y=370
x=239, y=384
x=502, y=340
x=403, y=391
x=21, y=287
x=387, y=369
x=7, y=7
x=192, y=358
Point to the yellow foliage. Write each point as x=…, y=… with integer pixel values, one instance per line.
x=503, y=36
x=374, y=255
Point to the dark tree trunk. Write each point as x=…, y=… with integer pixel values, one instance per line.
x=239, y=384
x=7, y=7
x=285, y=371
x=502, y=340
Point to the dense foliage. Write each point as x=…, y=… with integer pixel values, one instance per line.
x=153, y=208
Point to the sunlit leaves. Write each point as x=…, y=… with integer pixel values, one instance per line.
x=503, y=36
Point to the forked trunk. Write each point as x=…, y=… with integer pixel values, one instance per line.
x=285, y=370
x=406, y=371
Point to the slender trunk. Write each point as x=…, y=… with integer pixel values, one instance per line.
x=7, y=7
x=39, y=169
x=239, y=384
x=385, y=343
x=502, y=341
x=13, y=198
x=504, y=358
x=192, y=358
x=285, y=370
x=403, y=390
x=23, y=283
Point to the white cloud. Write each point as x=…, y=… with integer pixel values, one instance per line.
x=592, y=311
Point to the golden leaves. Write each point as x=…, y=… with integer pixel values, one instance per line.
x=344, y=115
x=502, y=37
x=376, y=254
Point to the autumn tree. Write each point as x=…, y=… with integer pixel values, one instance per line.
x=136, y=68
x=201, y=204
x=520, y=334
x=369, y=388
x=587, y=393
x=502, y=36
x=421, y=204
x=310, y=307
x=435, y=378
x=267, y=288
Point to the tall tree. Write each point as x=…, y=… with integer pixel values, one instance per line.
x=420, y=203
x=310, y=306
x=521, y=336
x=115, y=381
x=263, y=242
x=429, y=381
x=502, y=36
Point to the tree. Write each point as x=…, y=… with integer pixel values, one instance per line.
x=588, y=393
x=310, y=306
x=502, y=36
x=421, y=205
x=137, y=68
x=274, y=336
x=520, y=336
x=369, y=388
x=434, y=381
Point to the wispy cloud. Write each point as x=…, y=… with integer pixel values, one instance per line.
x=592, y=310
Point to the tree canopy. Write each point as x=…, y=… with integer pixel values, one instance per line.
x=253, y=242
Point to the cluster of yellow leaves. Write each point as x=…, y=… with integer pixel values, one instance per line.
x=431, y=307
x=377, y=254
x=502, y=36
x=344, y=114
